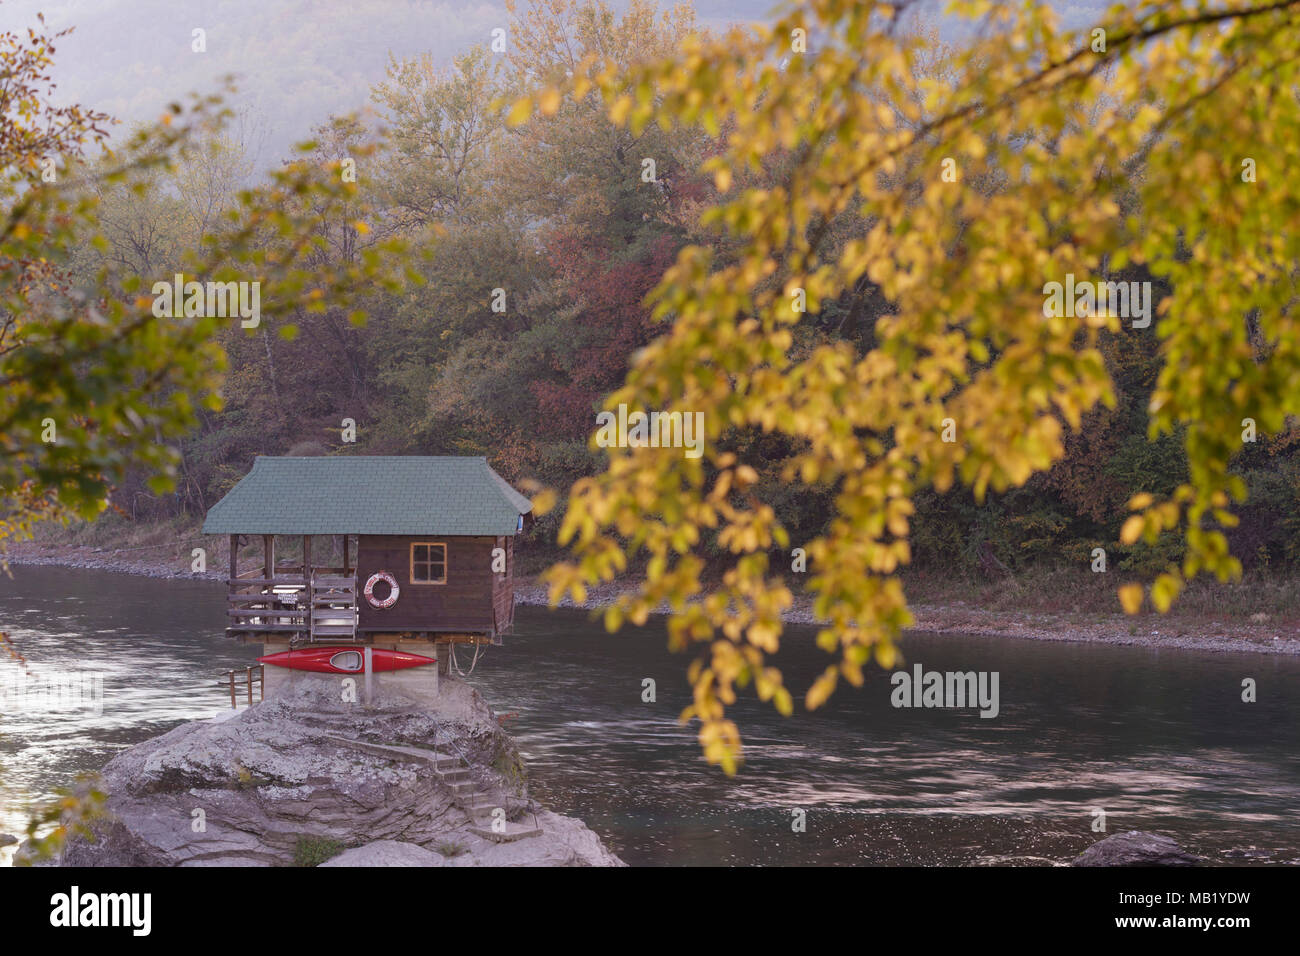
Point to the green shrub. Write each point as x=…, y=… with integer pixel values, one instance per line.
x=314, y=850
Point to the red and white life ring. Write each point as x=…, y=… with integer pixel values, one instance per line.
x=393, y=592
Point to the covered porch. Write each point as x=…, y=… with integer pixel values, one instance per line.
x=298, y=600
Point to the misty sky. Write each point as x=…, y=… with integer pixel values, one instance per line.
x=297, y=61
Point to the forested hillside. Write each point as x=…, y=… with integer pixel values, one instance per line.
x=540, y=244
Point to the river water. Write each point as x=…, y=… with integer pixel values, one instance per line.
x=1157, y=739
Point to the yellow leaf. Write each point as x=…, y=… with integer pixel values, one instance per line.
x=886, y=656
x=520, y=112
x=1132, y=529
x=544, y=501
x=620, y=109
x=1164, y=590
x=822, y=688
x=1130, y=595
x=548, y=101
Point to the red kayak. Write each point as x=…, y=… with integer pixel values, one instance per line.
x=345, y=660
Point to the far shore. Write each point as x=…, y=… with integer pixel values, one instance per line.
x=1147, y=630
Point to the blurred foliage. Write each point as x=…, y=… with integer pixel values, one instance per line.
x=73, y=811
x=101, y=392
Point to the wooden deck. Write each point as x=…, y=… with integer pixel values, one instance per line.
x=319, y=607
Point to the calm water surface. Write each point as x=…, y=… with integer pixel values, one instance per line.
x=1158, y=739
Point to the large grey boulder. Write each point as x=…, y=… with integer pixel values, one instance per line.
x=564, y=842
x=1136, y=848
x=303, y=777
x=387, y=853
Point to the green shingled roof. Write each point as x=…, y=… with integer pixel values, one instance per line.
x=369, y=495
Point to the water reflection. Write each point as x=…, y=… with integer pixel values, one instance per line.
x=1158, y=739
x=158, y=645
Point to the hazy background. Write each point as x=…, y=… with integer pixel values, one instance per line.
x=297, y=61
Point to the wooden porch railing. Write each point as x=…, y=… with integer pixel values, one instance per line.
x=288, y=604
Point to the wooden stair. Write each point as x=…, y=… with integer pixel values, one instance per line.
x=332, y=605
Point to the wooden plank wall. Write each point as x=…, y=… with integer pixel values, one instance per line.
x=465, y=602
x=503, y=591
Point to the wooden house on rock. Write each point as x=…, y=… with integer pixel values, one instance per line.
x=423, y=559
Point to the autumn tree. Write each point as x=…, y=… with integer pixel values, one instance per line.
x=95, y=378
x=968, y=377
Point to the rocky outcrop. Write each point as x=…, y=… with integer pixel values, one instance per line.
x=388, y=853
x=1135, y=848
x=567, y=843
x=303, y=778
